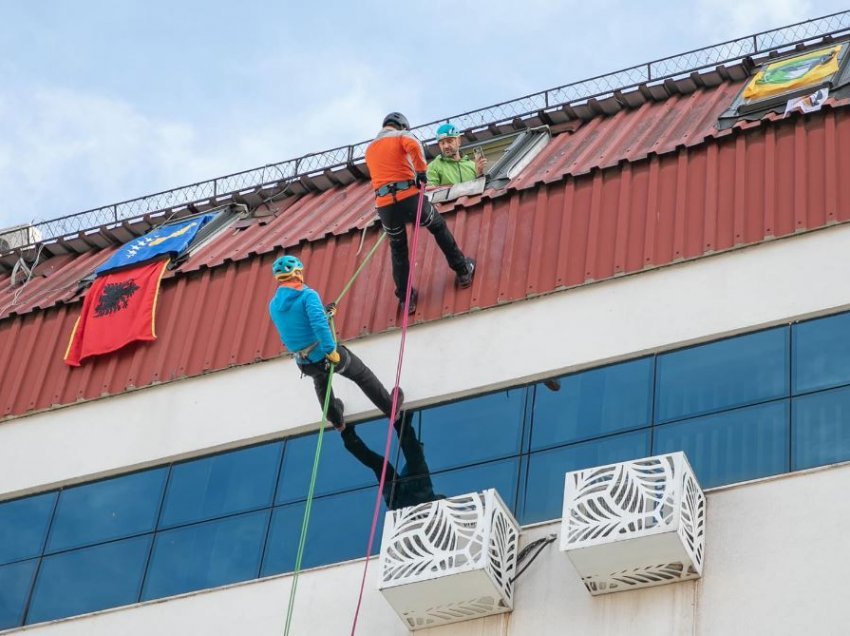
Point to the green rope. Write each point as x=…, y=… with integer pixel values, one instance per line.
x=308, y=508
x=362, y=265
x=302, y=541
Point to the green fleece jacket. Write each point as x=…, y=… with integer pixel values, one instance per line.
x=444, y=171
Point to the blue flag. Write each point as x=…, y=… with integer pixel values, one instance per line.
x=170, y=239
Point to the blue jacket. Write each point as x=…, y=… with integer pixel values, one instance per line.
x=301, y=320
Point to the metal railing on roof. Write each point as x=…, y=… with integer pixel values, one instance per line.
x=522, y=107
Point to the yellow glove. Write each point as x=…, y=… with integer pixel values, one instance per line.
x=333, y=357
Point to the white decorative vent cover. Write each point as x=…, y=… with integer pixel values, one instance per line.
x=449, y=560
x=634, y=524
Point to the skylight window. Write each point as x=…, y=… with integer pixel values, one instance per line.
x=506, y=156
x=224, y=218
x=777, y=82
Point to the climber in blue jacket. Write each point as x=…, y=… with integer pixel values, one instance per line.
x=302, y=322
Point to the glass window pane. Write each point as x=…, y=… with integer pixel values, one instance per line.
x=15, y=582
x=501, y=475
x=721, y=375
x=821, y=429
x=731, y=447
x=339, y=531
x=107, y=510
x=544, y=492
x=222, y=484
x=90, y=579
x=338, y=469
x=473, y=430
x=206, y=555
x=821, y=353
x=23, y=524
x=592, y=403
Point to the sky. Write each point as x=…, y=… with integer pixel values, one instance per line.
x=107, y=100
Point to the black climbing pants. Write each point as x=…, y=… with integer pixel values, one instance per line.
x=394, y=219
x=353, y=368
x=414, y=459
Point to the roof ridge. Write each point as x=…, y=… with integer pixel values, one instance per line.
x=273, y=178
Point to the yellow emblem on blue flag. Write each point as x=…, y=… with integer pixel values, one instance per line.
x=171, y=239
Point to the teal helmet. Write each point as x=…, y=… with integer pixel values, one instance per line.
x=447, y=130
x=287, y=266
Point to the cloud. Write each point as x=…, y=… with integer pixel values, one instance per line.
x=64, y=151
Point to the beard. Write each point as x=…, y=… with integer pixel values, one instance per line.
x=451, y=154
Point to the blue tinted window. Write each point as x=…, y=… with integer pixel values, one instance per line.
x=90, y=579
x=23, y=524
x=821, y=429
x=15, y=581
x=222, y=484
x=721, y=375
x=729, y=447
x=339, y=531
x=501, y=475
x=592, y=403
x=474, y=430
x=544, y=492
x=338, y=469
x=107, y=509
x=206, y=555
x=821, y=353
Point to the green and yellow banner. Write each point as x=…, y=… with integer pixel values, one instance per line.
x=793, y=73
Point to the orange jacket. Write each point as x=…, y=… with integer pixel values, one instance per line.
x=394, y=155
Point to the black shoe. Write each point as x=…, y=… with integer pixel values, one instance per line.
x=340, y=405
x=400, y=406
x=414, y=296
x=465, y=280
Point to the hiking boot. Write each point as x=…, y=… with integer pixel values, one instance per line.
x=414, y=296
x=465, y=280
x=400, y=406
x=340, y=405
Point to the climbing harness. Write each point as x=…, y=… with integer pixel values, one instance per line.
x=393, y=188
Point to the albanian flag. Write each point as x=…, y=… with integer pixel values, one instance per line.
x=119, y=309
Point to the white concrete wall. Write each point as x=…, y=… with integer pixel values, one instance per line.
x=711, y=297
x=776, y=555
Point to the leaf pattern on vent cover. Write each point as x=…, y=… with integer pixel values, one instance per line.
x=622, y=499
x=435, y=537
x=637, y=577
x=692, y=522
x=452, y=612
x=504, y=542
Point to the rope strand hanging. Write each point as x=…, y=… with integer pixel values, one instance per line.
x=405, y=318
x=315, y=470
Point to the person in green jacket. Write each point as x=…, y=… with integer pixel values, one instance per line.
x=450, y=167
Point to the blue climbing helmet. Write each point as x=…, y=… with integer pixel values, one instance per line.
x=286, y=267
x=447, y=130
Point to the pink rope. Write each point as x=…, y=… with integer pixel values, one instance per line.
x=411, y=277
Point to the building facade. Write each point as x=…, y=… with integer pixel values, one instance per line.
x=647, y=283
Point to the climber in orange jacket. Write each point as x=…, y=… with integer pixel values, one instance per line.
x=397, y=167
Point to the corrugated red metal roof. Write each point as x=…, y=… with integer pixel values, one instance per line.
x=639, y=189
